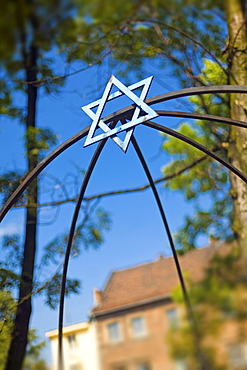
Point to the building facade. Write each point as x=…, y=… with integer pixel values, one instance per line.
x=80, y=347
x=133, y=315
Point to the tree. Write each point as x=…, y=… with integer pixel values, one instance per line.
x=178, y=36
x=33, y=360
x=35, y=30
x=202, y=43
x=7, y=314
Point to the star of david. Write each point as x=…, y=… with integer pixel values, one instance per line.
x=136, y=119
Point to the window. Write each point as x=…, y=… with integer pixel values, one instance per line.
x=75, y=367
x=72, y=341
x=138, y=327
x=119, y=367
x=181, y=364
x=143, y=366
x=173, y=318
x=237, y=356
x=114, y=332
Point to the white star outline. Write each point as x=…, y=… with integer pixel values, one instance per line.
x=128, y=126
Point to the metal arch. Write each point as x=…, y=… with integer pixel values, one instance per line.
x=189, y=310
x=69, y=245
x=179, y=94
x=69, y=142
x=195, y=144
x=203, y=117
x=121, y=114
x=163, y=216
x=81, y=134
x=139, y=153
x=197, y=91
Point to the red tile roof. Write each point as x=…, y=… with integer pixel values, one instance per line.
x=155, y=279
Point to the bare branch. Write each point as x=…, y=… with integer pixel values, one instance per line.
x=124, y=191
x=186, y=35
x=50, y=79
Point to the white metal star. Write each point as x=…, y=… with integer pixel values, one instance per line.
x=128, y=126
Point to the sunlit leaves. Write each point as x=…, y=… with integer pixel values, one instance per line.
x=9, y=181
x=213, y=212
x=7, y=310
x=52, y=290
x=38, y=141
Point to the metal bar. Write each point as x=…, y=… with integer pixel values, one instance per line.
x=121, y=114
x=206, y=117
x=125, y=112
x=69, y=245
x=116, y=115
x=195, y=144
x=197, y=91
x=191, y=318
x=163, y=216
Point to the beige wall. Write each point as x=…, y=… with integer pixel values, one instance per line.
x=150, y=348
x=79, y=347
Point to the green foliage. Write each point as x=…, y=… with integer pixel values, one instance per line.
x=218, y=300
x=10, y=265
x=38, y=364
x=133, y=33
x=189, y=43
x=38, y=141
x=9, y=181
x=7, y=313
x=33, y=360
x=206, y=183
x=89, y=234
x=52, y=290
x=7, y=310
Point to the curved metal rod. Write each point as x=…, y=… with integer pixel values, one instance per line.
x=125, y=112
x=205, y=117
x=189, y=310
x=36, y=171
x=163, y=216
x=69, y=245
x=197, y=91
x=195, y=144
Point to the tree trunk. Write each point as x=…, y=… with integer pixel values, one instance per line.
x=237, y=63
x=21, y=324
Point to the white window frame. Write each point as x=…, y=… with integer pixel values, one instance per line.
x=117, y=336
x=237, y=355
x=72, y=341
x=143, y=366
x=142, y=330
x=173, y=320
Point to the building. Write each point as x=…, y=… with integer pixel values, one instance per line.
x=80, y=347
x=133, y=314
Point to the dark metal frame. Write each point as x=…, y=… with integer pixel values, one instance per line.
x=113, y=118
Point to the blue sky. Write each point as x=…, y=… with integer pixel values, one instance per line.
x=137, y=234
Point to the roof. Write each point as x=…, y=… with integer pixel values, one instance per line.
x=69, y=329
x=153, y=280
